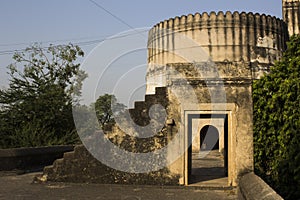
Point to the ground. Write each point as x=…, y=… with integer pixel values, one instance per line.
x=15, y=186
x=208, y=169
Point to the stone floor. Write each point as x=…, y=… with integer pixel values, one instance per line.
x=208, y=182
x=208, y=169
x=21, y=187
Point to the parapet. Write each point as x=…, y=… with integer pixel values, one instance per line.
x=214, y=19
x=239, y=30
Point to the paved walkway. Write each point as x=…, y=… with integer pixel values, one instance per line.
x=208, y=169
x=22, y=187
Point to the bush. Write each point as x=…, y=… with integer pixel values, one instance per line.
x=277, y=123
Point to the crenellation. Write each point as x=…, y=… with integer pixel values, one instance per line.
x=197, y=17
x=228, y=15
x=236, y=16
x=166, y=25
x=186, y=22
x=183, y=21
x=205, y=17
x=257, y=26
x=190, y=19
x=263, y=24
x=232, y=36
x=244, y=33
x=250, y=20
x=221, y=15
x=243, y=18
x=274, y=25
x=176, y=22
x=171, y=24
x=213, y=16
x=269, y=26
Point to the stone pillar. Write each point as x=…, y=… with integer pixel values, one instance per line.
x=291, y=15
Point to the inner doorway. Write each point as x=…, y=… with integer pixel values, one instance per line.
x=209, y=166
x=209, y=138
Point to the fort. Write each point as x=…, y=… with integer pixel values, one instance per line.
x=201, y=69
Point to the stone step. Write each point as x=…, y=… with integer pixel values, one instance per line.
x=139, y=105
x=150, y=98
x=58, y=162
x=161, y=91
x=69, y=155
x=78, y=149
x=48, y=169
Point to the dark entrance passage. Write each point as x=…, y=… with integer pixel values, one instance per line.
x=209, y=138
x=210, y=166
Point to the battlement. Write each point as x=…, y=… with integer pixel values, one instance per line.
x=289, y=1
x=219, y=20
x=215, y=33
x=256, y=39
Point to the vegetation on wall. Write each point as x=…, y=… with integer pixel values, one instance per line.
x=36, y=108
x=277, y=124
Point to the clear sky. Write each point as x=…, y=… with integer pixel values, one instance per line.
x=81, y=21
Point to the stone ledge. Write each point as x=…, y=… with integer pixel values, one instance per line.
x=252, y=187
x=28, y=158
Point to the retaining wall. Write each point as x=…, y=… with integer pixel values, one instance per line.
x=30, y=158
x=252, y=187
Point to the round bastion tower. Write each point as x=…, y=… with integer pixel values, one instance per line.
x=245, y=40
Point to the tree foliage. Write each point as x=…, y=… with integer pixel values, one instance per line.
x=36, y=108
x=277, y=123
x=104, y=111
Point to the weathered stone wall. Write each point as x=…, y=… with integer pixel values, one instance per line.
x=229, y=95
x=82, y=166
x=252, y=187
x=291, y=15
x=254, y=39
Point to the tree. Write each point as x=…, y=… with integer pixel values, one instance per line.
x=104, y=112
x=37, y=106
x=277, y=123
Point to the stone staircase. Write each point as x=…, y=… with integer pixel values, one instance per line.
x=80, y=166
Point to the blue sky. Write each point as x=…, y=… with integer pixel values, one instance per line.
x=77, y=21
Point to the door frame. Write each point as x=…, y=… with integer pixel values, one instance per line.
x=230, y=117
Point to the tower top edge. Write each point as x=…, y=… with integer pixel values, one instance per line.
x=209, y=16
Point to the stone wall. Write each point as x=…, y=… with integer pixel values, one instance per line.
x=231, y=96
x=34, y=158
x=255, y=39
x=291, y=15
x=252, y=187
x=82, y=165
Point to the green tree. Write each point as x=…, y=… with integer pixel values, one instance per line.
x=104, y=112
x=277, y=123
x=36, y=108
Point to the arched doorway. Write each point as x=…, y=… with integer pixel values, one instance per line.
x=209, y=138
x=210, y=165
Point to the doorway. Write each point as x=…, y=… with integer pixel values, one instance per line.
x=210, y=165
x=209, y=138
